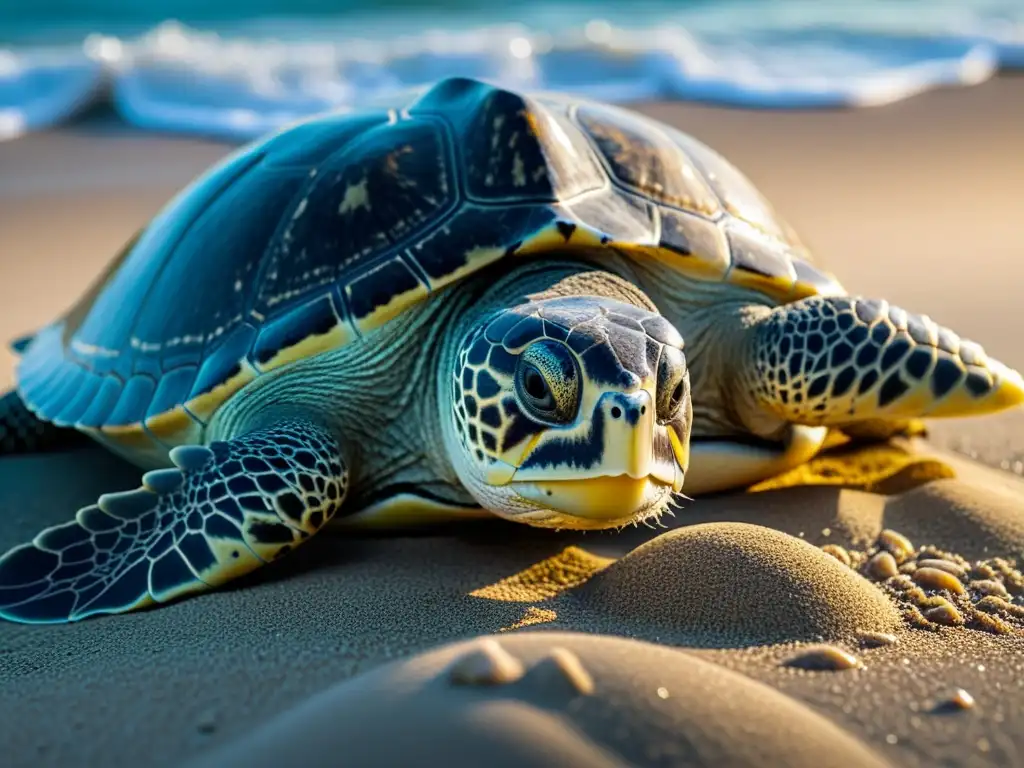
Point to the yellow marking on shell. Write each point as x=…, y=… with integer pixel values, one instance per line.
x=206, y=404
x=550, y=237
x=338, y=336
x=408, y=509
x=546, y=239
x=699, y=266
x=128, y=437
x=779, y=287
x=547, y=578
x=395, y=306
x=803, y=290
x=174, y=427
x=586, y=237
x=476, y=258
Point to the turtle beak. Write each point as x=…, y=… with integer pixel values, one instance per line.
x=625, y=463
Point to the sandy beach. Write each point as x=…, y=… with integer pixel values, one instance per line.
x=695, y=644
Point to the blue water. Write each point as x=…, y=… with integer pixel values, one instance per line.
x=239, y=68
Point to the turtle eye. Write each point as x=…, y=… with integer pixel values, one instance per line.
x=537, y=390
x=673, y=384
x=548, y=382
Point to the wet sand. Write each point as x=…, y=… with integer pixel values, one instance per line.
x=683, y=645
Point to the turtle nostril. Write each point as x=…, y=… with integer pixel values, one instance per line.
x=616, y=412
x=643, y=409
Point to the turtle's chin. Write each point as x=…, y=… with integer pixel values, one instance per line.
x=592, y=502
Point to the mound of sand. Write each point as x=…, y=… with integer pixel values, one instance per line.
x=547, y=699
x=735, y=584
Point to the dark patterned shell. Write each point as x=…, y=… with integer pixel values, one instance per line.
x=327, y=229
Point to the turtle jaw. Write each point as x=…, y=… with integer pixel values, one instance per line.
x=601, y=502
x=632, y=484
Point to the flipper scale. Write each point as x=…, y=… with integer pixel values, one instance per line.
x=167, y=539
x=835, y=361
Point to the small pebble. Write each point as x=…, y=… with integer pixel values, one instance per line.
x=961, y=699
x=945, y=613
x=876, y=639
x=989, y=622
x=883, y=566
x=942, y=565
x=839, y=553
x=896, y=543
x=913, y=616
x=487, y=664
x=903, y=582
x=933, y=578
x=563, y=666
x=990, y=587
x=823, y=658
x=917, y=596
x=957, y=701
x=982, y=571
x=994, y=604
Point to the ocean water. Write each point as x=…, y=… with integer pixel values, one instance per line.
x=238, y=68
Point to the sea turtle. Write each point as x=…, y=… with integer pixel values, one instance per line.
x=473, y=302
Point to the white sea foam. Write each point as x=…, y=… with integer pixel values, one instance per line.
x=786, y=54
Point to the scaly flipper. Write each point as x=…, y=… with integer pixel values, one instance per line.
x=222, y=511
x=830, y=361
x=21, y=432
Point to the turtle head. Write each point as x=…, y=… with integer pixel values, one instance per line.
x=570, y=412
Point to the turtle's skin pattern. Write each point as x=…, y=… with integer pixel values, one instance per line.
x=500, y=278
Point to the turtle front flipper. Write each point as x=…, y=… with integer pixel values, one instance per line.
x=222, y=511
x=21, y=432
x=832, y=361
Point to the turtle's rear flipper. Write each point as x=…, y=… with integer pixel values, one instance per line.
x=222, y=511
x=21, y=432
x=833, y=361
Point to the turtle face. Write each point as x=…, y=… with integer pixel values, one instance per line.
x=571, y=412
